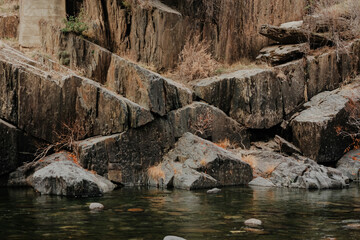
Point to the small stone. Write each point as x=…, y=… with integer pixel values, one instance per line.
x=353, y=226
x=253, y=222
x=213, y=191
x=96, y=206
x=173, y=238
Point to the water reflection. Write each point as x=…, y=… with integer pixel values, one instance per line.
x=286, y=214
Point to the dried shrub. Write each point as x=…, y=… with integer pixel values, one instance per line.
x=203, y=123
x=156, y=173
x=195, y=61
x=66, y=139
x=342, y=17
x=353, y=128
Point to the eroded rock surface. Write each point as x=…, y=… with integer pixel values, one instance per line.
x=146, y=88
x=196, y=163
x=292, y=172
x=315, y=129
x=280, y=54
x=8, y=26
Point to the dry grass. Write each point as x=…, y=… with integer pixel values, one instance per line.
x=195, y=60
x=156, y=173
x=203, y=124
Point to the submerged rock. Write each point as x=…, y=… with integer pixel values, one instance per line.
x=253, y=222
x=173, y=238
x=58, y=174
x=213, y=191
x=96, y=206
x=292, y=172
x=261, y=182
x=349, y=165
x=196, y=163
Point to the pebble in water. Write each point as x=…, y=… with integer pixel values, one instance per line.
x=253, y=222
x=96, y=206
x=213, y=191
x=173, y=238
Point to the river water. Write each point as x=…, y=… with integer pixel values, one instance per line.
x=142, y=213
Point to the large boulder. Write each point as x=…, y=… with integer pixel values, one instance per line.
x=315, y=130
x=59, y=174
x=125, y=157
x=197, y=163
x=349, y=165
x=274, y=169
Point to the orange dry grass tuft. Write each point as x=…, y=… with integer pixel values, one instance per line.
x=250, y=159
x=225, y=144
x=156, y=173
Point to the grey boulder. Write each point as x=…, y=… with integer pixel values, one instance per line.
x=349, y=165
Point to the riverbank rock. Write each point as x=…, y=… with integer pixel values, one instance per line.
x=96, y=206
x=315, y=130
x=292, y=172
x=124, y=158
x=349, y=165
x=58, y=174
x=196, y=163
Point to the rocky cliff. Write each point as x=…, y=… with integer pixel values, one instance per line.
x=136, y=127
x=155, y=34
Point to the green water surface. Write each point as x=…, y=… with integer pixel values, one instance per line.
x=142, y=213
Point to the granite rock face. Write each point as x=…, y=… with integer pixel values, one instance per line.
x=39, y=102
x=141, y=86
x=293, y=172
x=196, y=163
x=157, y=34
x=315, y=129
x=125, y=157
x=264, y=97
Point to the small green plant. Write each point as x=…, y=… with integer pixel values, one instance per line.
x=64, y=58
x=75, y=25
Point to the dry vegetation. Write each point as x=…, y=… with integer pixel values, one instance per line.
x=195, y=60
x=66, y=139
x=353, y=129
x=342, y=18
x=156, y=173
